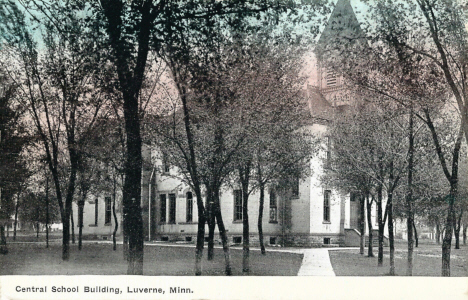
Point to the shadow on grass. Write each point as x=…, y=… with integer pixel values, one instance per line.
x=100, y=259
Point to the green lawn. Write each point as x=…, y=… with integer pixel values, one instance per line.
x=100, y=259
x=427, y=261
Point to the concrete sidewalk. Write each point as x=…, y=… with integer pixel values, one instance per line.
x=316, y=262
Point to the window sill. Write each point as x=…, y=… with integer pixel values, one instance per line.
x=237, y=221
x=188, y=223
x=273, y=222
x=326, y=222
x=93, y=225
x=108, y=224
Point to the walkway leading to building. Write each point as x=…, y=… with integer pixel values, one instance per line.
x=316, y=262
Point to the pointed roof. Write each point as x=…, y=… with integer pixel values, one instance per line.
x=342, y=26
x=319, y=107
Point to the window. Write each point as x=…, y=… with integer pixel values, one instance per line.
x=166, y=166
x=172, y=208
x=326, y=206
x=237, y=205
x=295, y=187
x=96, y=212
x=273, y=207
x=108, y=211
x=189, y=211
x=331, y=78
x=162, y=202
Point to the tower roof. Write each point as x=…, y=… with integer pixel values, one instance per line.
x=342, y=26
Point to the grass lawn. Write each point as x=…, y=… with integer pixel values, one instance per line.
x=100, y=259
x=427, y=261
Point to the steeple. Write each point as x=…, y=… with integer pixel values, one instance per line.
x=342, y=25
x=341, y=34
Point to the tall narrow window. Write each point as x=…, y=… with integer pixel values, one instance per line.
x=166, y=166
x=162, y=202
x=96, y=205
x=108, y=210
x=295, y=187
x=237, y=205
x=172, y=208
x=326, y=205
x=273, y=207
x=189, y=211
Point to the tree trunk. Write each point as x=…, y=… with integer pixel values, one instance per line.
x=116, y=226
x=47, y=212
x=447, y=241
x=260, y=218
x=37, y=230
x=130, y=82
x=362, y=225
x=409, y=197
x=200, y=232
x=464, y=233
x=125, y=241
x=381, y=226
x=438, y=233
x=224, y=239
x=369, y=225
x=81, y=204
x=416, y=239
x=457, y=228
x=192, y=166
x=65, y=237
x=244, y=173
x=68, y=212
x=116, y=221
x=16, y=219
x=390, y=233
x=132, y=188
x=3, y=243
x=72, y=220
x=211, y=224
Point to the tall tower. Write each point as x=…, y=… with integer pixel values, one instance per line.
x=342, y=32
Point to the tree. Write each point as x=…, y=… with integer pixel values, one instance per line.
x=38, y=209
x=58, y=81
x=427, y=40
x=368, y=157
x=133, y=30
x=13, y=172
x=414, y=57
x=198, y=60
x=271, y=101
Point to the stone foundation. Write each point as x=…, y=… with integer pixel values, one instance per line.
x=269, y=240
